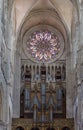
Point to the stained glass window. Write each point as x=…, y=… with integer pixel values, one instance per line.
x=43, y=45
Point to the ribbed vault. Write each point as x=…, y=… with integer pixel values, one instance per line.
x=23, y=8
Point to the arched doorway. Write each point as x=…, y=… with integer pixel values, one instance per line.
x=19, y=128
x=65, y=128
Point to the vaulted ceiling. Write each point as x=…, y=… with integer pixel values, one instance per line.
x=63, y=7
x=55, y=13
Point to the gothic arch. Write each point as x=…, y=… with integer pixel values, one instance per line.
x=27, y=25
x=38, y=19
x=74, y=4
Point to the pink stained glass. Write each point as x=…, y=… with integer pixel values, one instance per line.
x=43, y=45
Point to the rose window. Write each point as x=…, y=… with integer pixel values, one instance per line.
x=43, y=46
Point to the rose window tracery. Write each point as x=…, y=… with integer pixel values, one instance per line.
x=44, y=46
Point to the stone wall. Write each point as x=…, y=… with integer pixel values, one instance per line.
x=78, y=91
x=5, y=68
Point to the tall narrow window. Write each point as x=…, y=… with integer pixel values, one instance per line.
x=27, y=99
x=61, y=101
x=22, y=104
x=43, y=93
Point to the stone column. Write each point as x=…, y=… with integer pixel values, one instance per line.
x=81, y=24
x=16, y=89
x=69, y=96
x=81, y=107
x=1, y=9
